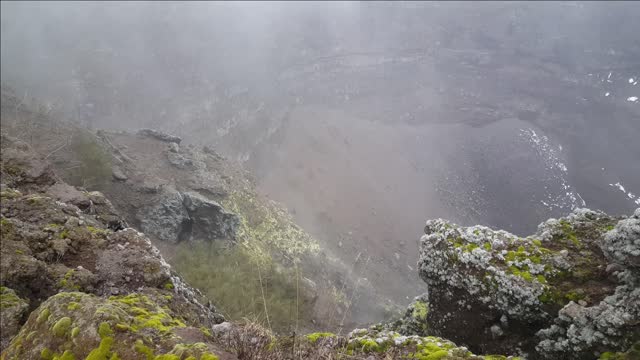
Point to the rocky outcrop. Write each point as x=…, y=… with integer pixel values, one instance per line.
x=166, y=218
x=569, y=291
x=176, y=216
x=414, y=320
x=209, y=220
x=65, y=252
x=72, y=325
x=156, y=134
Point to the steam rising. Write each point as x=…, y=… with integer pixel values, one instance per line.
x=364, y=119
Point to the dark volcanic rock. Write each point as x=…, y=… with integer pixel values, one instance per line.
x=209, y=220
x=166, y=217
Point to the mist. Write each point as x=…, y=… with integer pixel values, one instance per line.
x=363, y=119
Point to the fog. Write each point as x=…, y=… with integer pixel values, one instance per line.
x=363, y=119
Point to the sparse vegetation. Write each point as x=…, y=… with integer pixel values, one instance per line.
x=94, y=168
x=231, y=278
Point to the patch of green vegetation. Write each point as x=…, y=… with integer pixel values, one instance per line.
x=574, y=296
x=487, y=246
x=67, y=283
x=43, y=315
x=268, y=228
x=61, y=327
x=10, y=194
x=420, y=311
x=13, y=169
x=209, y=356
x=242, y=286
x=313, y=338
x=457, y=242
x=97, y=231
x=432, y=349
x=147, y=314
x=168, y=286
x=104, y=330
x=67, y=355
x=46, y=354
x=187, y=350
x=36, y=199
x=64, y=234
x=569, y=233
x=205, y=331
x=632, y=354
x=367, y=345
x=73, y=306
x=103, y=352
x=75, y=331
x=141, y=348
x=470, y=247
x=8, y=298
x=94, y=171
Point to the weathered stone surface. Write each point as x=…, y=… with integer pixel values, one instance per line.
x=554, y=294
x=165, y=218
x=414, y=321
x=622, y=244
x=160, y=135
x=76, y=325
x=118, y=174
x=180, y=161
x=12, y=311
x=23, y=168
x=209, y=220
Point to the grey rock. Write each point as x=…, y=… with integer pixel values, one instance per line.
x=414, y=320
x=166, y=217
x=477, y=275
x=173, y=147
x=208, y=182
x=118, y=174
x=622, y=244
x=159, y=135
x=222, y=329
x=209, y=220
x=180, y=161
x=578, y=332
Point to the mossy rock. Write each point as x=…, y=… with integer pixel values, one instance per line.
x=494, y=290
x=12, y=311
x=138, y=325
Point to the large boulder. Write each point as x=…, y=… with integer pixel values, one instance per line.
x=174, y=216
x=209, y=220
x=494, y=291
x=165, y=218
x=22, y=168
x=76, y=325
x=614, y=323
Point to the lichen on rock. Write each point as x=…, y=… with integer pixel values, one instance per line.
x=12, y=311
x=569, y=290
